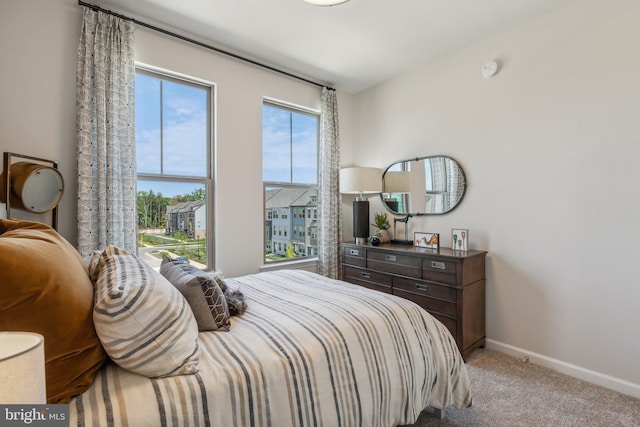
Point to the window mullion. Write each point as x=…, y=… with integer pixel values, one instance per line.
x=161, y=127
x=290, y=147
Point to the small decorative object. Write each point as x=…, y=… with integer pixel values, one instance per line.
x=381, y=222
x=406, y=240
x=375, y=240
x=426, y=240
x=459, y=239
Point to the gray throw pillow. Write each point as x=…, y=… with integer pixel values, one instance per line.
x=201, y=291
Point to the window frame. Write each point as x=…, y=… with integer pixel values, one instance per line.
x=276, y=184
x=207, y=181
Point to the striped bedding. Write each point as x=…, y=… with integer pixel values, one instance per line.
x=309, y=351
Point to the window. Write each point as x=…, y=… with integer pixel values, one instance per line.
x=174, y=165
x=290, y=179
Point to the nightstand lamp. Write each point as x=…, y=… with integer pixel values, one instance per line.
x=22, y=372
x=360, y=181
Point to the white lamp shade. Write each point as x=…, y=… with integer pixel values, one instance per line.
x=22, y=375
x=359, y=180
x=396, y=182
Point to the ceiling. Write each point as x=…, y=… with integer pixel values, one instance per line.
x=351, y=46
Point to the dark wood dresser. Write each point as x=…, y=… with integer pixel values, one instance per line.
x=448, y=284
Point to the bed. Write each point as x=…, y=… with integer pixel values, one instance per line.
x=308, y=351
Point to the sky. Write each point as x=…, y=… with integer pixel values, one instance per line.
x=182, y=115
x=289, y=138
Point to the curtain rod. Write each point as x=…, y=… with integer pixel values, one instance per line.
x=201, y=44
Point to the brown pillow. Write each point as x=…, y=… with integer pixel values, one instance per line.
x=45, y=288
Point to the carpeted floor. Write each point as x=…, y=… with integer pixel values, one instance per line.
x=509, y=392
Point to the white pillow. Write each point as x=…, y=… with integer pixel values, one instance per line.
x=143, y=322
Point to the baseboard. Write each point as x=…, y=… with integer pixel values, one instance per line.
x=603, y=380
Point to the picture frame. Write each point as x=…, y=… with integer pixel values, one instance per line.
x=460, y=239
x=426, y=240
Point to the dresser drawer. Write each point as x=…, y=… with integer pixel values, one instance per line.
x=439, y=265
x=394, y=263
x=434, y=276
x=428, y=303
x=366, y=278
x=427, y=289
x=449, y=323
x=353, y=256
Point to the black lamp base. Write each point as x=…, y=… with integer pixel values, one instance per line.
x=361, y=221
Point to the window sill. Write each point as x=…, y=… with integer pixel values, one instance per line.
x=310, y=264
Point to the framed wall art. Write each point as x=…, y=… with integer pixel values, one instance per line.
x=426, y=240
x=460, y=239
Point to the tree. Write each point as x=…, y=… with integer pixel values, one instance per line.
x=197, y=194
x=151, y=209
x=290, y=251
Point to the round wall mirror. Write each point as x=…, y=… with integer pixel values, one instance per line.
x=431, y=185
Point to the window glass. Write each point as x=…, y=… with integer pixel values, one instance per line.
x=184, y=120
x=148, y=117
x=290, y=176
x=173, y=146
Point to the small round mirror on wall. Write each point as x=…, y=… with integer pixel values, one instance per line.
x=432, y=185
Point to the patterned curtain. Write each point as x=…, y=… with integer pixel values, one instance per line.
x=329, y=198
x=455, y=183
x=106, y=134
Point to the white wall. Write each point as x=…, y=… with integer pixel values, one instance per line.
x=38, y=45
x=550, y=147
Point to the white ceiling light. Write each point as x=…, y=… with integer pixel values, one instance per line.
x=325, y=2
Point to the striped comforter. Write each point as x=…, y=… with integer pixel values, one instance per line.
x=309, y=351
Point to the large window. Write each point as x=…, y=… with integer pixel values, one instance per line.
x=174, y=164
x=290, y=178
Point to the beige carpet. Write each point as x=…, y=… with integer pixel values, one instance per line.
x=509, y=392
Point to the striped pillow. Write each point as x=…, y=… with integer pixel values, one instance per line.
x=143, y=322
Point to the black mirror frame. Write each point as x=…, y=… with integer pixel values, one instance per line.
x=411, y=214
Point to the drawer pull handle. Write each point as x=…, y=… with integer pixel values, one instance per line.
x=366, y=275
x=439, y=265
x=421, y=287
x=391, y=258
x=354, y=252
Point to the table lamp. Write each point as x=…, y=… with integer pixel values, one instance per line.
x=22, y=374
x=360, y=181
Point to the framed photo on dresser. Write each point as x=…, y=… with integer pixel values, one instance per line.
x=426, y=240
x=459, y=239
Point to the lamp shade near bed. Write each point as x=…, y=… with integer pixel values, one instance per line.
x=22, y=378
x=360, y=181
